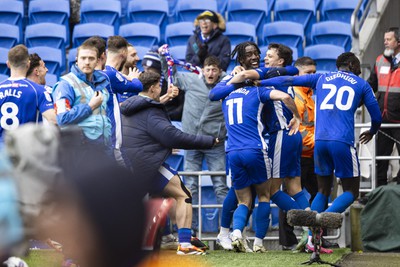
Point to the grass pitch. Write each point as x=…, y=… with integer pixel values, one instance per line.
x=217, y=258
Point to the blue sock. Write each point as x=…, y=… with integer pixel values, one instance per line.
x=341, y=203
x=239, y=217
x=262, y=219
x=319, y=202
x=301, y=200
x=284, y=201
x=184, y=235
x=228, y=207
x=167, y=228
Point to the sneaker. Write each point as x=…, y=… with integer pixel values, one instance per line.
x=197, y=243
x=259, y=249
x=238, y=244
x=287, y=248
x=327, y=244
x=225, y=242
x=323, y=250
x=169, y=242
x=303, y=241
x=246, y=244
x=192, y=250
x=14, y=262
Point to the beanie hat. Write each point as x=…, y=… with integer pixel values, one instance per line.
x=208, y=14
x=152, y=60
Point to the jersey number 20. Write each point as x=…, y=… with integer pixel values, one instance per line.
x=339, y=97
x=9, y=112
x=239, y=103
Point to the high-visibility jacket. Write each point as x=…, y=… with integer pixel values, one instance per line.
x=305, y=106
x=388, y=94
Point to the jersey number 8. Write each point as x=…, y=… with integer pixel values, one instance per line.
x=9, y=112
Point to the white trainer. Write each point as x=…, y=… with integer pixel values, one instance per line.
x=225, y=242
x=259, y=249
x=238, y=244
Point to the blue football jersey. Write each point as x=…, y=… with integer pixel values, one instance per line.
x=276, y=116
x=22, y=101
x=338, y=94
x=242, y=112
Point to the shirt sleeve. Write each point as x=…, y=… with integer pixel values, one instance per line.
x=309, y=80
x=119, y=84
x=45, y=102
x=264, y=93
x=373, y=108
x=64, y=97
x=222, y=90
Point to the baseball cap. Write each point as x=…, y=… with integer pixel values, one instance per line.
x=209, y=15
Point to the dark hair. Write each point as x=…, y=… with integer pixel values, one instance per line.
x=35, y=62
x=18, y=56
x=284, y=52
x=97, y=42
x=212, y=61
x=395, y=30
x=116, y=42
x=149, y=78
x=349, y=61
x=240, y=50
x=305, y=61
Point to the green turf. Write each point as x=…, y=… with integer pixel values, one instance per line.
x=217, y=258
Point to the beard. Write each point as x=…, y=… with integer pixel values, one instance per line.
x=388, y=52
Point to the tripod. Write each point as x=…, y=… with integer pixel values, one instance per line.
x=316, y=234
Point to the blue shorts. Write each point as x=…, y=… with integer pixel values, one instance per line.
x=285, y=152
x=248, y=166
x=336, y=157
x=165, y=174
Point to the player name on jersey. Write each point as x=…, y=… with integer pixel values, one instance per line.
x=10, y=92
x=241, y=91
x=341, y=75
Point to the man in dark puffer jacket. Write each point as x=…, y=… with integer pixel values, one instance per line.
x=148, y=139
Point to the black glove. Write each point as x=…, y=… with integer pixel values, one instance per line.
x=203, y=53
x=275, y=72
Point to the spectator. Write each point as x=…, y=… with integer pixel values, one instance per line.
x=22, y=99
x=81, y=99
x=172, y=99
x=385, y=81
x=201, y=116
x=148, y=139
x=208, y=39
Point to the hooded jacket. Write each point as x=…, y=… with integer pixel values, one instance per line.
x=217, y=45
x=149, y=136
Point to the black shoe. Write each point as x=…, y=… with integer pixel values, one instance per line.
x=292, y=247
x=197, y=243
x=328, y=244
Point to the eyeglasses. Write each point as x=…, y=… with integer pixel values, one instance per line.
x=204, y=20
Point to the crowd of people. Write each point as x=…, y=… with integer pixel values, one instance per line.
x=281, y=138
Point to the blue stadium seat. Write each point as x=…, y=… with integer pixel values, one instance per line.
x=188, y=10
x=141, y=52
x=12, y=12
x=51, y=11
x=240, y=32
x=3, y=77
x=141, y=33
x=108, y=12
x=332, y=32
x=297, y=11
x=209, y=216
x=176, y=162
x=340, y=10
x=178, y=52
x=149, y=11
x=264, y=50
x=53, y=57
x=9, y=35
x=46, y=34
x=286, y=32
x=222, y=4
x=51, y=79
x=250, y=11
x=325, y=56
x=84, y=31
x=71, y=58
x=3, y=61
x=178, y=33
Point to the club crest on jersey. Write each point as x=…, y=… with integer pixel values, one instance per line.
x=47, y=96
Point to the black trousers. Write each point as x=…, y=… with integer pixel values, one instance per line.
x=384, y=147
x=309, y=182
